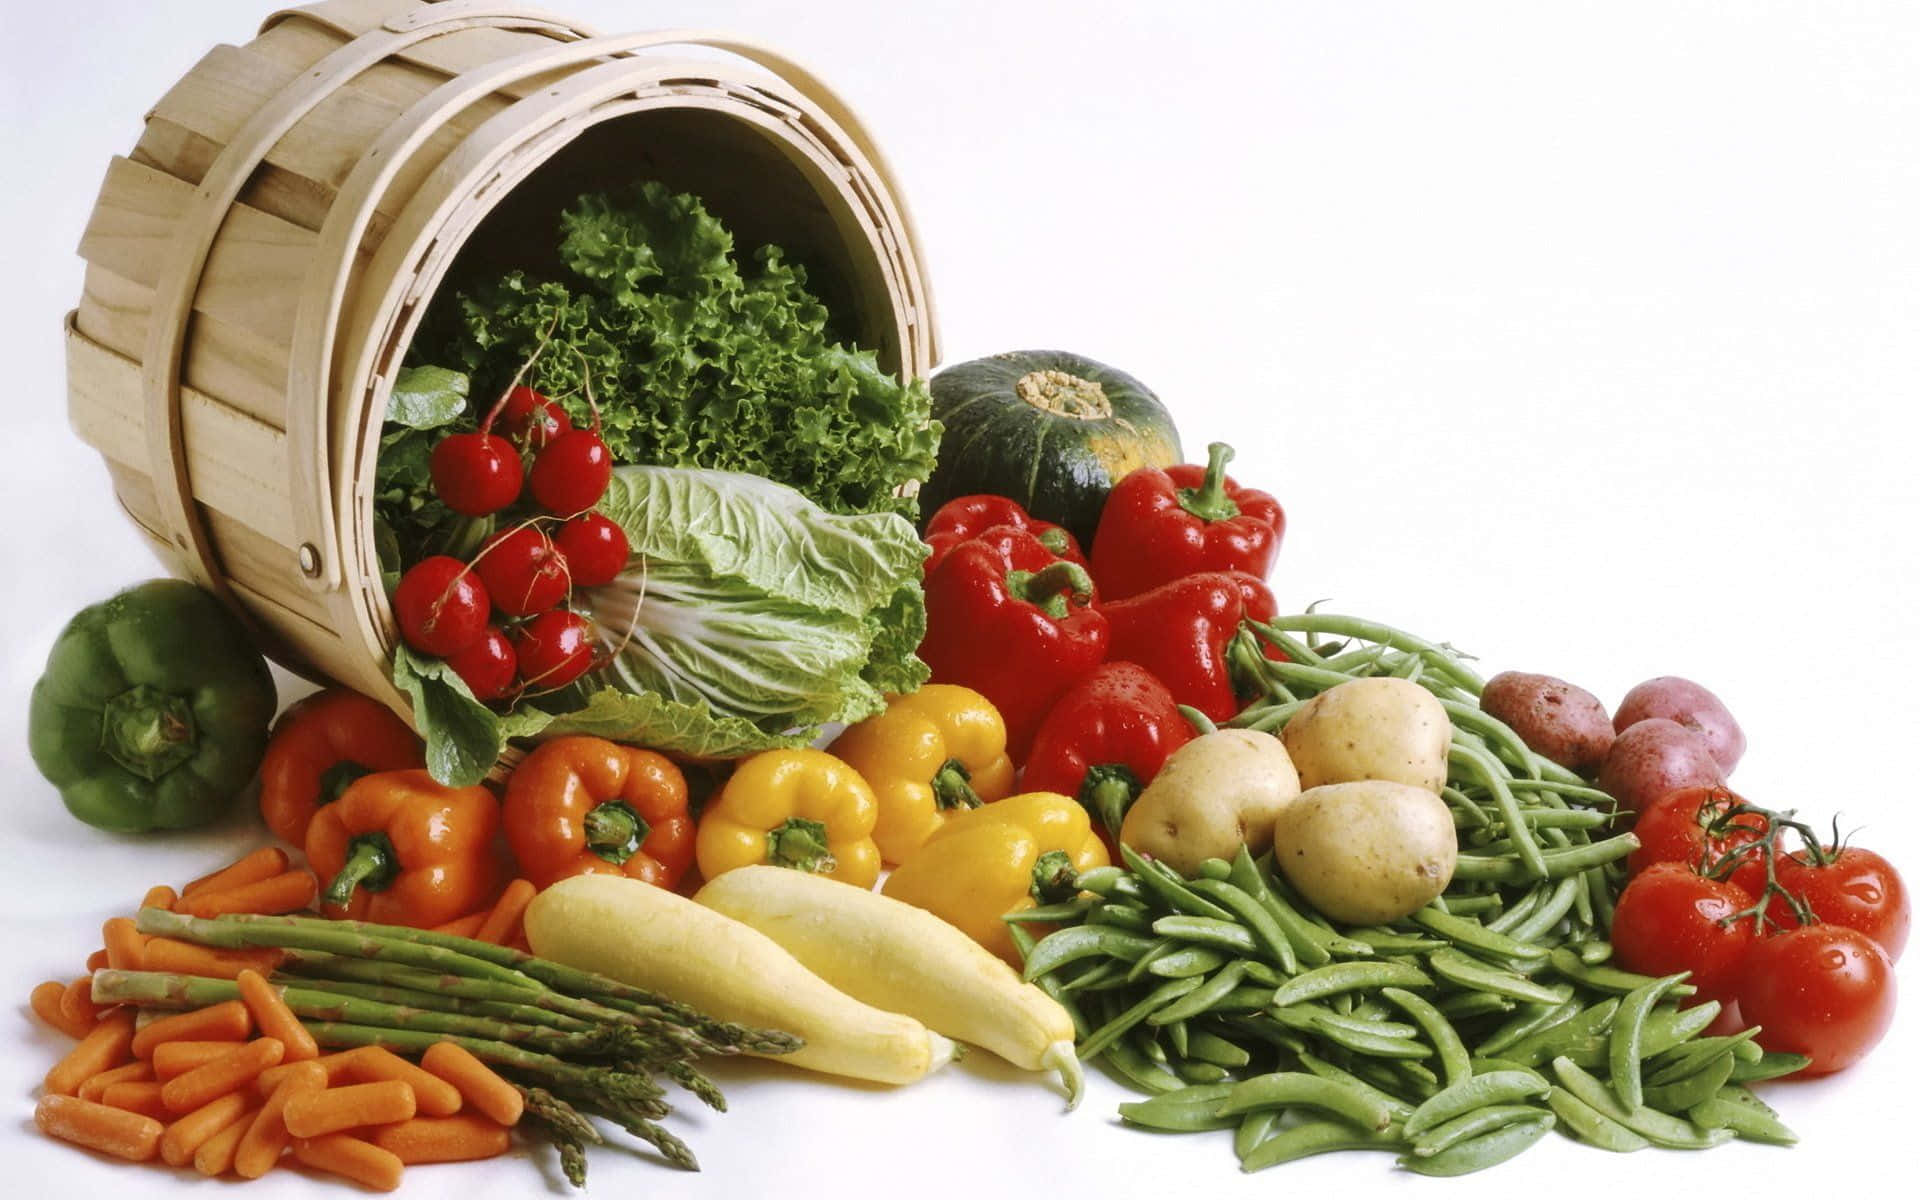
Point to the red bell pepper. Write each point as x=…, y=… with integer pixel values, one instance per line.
x=1160, y=525
x=1012, y=620
x=966, y=517
x=1179, y=631
x=1106, y=739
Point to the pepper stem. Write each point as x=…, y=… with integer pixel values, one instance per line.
x=1054, y=878
x=148, y=731
x=1210, y=501
x=615, y=831
x=336, y=779
x=801, y=844
x=1048, y=589
x=952, y=786
x=1108, y=791
x=372, y=863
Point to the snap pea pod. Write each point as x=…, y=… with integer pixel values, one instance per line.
x=1199, y=1000
x=1114, y=883
x=1067, y=910
x=1473, y=936
x=1165, y=994
x=1591, y=1125
x=1314, y=1137
x=1596, y=952
x=1186, y=1110
x=1318, y=1066
x=1291, y=1089
x=1121, y=916
x=1463, y=1006
x=1184, y=960
x=1458, y=968
x=1161, y=947
x=1354, y=1037
x=1212, y=1048
x=1471, y=1125
x=1253, y=1129
x=1689, y=1057
x=1569, y=965
x=1669, y=1026
x=1441, y=1035
x=1023, y=943
x=1250, y=913
x=1135, y=1068
x=1744, y=1113
x=1212, y=869
x=1624, y=1043
x=1551, y=911
x=1772, y=1065
x=1201, y=1072
x=1656, y=1127
x=1680, y=1095
x=1177, y=1034
x=1517, y=911
x=1473, y=904
x=1309, y=943
x=1098, y=977
x=1528, y=1021
x=1477, y=868
x=1170, y=892
x=1347, y=976
x=1221, y=933
x=1486, y=1150
x=1245, y=998
x=1479, y=1091
x=1389, y=941
x=1076, y=942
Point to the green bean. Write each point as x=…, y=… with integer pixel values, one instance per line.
x=1683, y=1093
x=1517, y=911
x=1347, y=976
x=1447, y=1046
x=1310, y=944
x=1530, y=1020
x=1202, y=998
x=1593, y=1126
x=1216, y=869
x=1567, y=789
x=1471, y=1125
x=1775, y=1064
x=1186, y=960
x=1313, y=1137
x=1600, y=899
x=1568, y=964
x=1121, y=916
x=1745, y=1114
x=1076, y=942
x=1288, y=1089
x=1186, y=1110
x=1212, y=1048
x=1456, y=967
x=1495, y=1087
x=1171, y=891
x=1498, y=735
x=1656, y=1127
x=1023, y=943
x=1480, y=763
x=1224, y=934
x=1475, y=868
x=1689, y=1057
x=1067, y=910
x=1253, y=1129
x=1589, y=1026
x=1550, y=912
x=1624, y=1045
x=1397, y=1107
x=1441, y=659
x=1466, y=811
x=1107, y=1034
x=1472, y=935
x=1266, y=931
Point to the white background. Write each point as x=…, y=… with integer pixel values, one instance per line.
x=1581, y=335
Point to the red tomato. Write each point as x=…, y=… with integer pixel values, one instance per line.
x=1676, y=829
x=1858, y=889
x=1824, y=991
x=1668, y=919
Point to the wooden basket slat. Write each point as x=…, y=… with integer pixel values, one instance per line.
x=443, y=57
x=187, y=155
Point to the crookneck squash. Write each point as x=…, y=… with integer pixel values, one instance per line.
x=1049, y=429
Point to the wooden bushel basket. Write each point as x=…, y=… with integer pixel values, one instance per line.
x=258, y=263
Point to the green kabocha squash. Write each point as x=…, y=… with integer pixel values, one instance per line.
x=1051, y=430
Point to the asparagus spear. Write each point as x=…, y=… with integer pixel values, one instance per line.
x=563, y=1125
x=525, y=1014
x=601, y=1084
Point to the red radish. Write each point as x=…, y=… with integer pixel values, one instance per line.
x=555, y=648
x=572, y=473
x=523, y=570
x=476, y=474
x=596, y=549
x=488, y=667
x=529, y=419
x=441, y=606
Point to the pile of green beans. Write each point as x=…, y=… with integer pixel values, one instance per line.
x=1455, y=1037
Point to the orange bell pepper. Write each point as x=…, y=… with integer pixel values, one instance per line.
x=321, y=745
x=579, y=805
x=400, y=849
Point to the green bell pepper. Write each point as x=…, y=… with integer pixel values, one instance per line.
x=153, y=710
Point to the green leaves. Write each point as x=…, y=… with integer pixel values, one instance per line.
x=427, y=397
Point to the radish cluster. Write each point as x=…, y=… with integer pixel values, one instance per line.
x=524, y=574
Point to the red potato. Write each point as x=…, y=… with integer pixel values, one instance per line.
x=1686, y=703
x=1553, y=717
x=1655, y=757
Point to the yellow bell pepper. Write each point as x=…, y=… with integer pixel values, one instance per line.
x=986, y=862
x=793, y=808
x=938, y=750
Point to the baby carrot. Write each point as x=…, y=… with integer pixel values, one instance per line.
x=316, y=1114
x=159, y=896
x=104, y=1048
x=286, y=892
x=143, y=1098
x=97, y=1127
x=504, y=921
x=273, y=1018
x=465, y=926
x=228, y=1073
x=77, y=1006
x=215, y=1155
x=261, y=1146
x=225, y=1022
x=442, y=1139
x=176, y=957
x=432, y=1095
x=126, y=948
x=97, y=961
x=336, y=1067
x=482, y=1088
x=173, y=1059
x=46, y=1000
x=350, y=1157
x=263, y=863
x=187, y=1134
x=134, y=1072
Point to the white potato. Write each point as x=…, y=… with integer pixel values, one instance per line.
x=1213, y=795
x=1385, y=728
x=1367, y=851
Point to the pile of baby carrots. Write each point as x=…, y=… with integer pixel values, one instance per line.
x=233, y=1087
